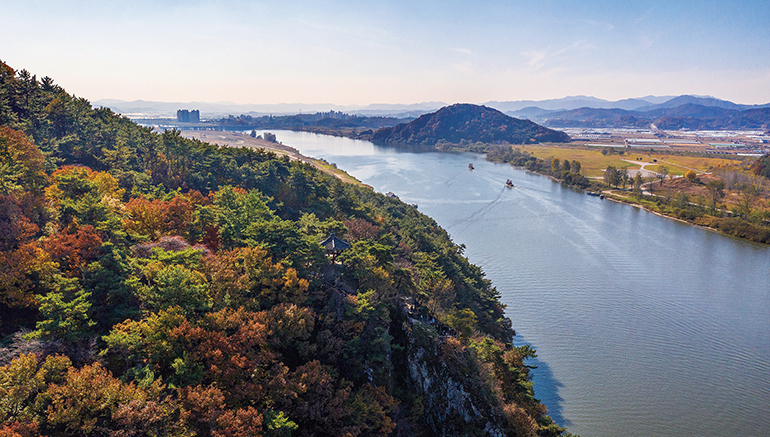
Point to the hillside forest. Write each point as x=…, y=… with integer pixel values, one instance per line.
x=155, y=285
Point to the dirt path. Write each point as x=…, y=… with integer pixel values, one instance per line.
x=644, y=172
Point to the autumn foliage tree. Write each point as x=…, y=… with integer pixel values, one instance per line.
x=84, y=196
x=156, y=285
x=73, y=248
x=21, y=164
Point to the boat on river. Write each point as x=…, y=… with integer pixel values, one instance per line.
x=470, y=166
x=509, y=183
x=595, y=193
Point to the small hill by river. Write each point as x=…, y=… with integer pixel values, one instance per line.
x=466, y=123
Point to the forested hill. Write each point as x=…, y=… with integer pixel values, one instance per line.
x=154, y=285
x=466, y=123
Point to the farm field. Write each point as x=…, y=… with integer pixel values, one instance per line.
x=594, y=163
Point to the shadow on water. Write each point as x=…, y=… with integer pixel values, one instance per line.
x=546, y=386
x=547, y=390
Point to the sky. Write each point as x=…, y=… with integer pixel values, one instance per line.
x=362, y=52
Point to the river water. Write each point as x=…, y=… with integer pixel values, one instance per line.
x=644, y=326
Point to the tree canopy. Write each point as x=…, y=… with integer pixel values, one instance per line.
x=156, y=285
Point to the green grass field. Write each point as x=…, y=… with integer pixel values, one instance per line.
x=594, y=163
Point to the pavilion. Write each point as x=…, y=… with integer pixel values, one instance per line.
x=334, y=245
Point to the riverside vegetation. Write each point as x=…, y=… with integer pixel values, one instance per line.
x=730, y=198
x=155, y=285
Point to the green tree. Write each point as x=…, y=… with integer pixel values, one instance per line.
x=434, y=289
x=463, y=321
x=370, y=264
x=64, y=312
x=576, y=167
x=109, y=281
x=277, y=424
x=175, y=285
x=716, y=191
x=623, y=176
x=237, y=214
x=286, y=242
x=638, y=183
x=611, y=176
x=131, y=344
x=555, y=166
x=682, y=200
x=749, y=194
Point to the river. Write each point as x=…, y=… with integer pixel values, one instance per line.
x=644, y=326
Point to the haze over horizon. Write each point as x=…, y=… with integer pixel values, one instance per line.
x=353, y=53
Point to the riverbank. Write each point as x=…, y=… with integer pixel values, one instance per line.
x=743, y=214
x=732, y=226
x=581, y=277
x=661, y=205
x=238, y=139
x=682, y=210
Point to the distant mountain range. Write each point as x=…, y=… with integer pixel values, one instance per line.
x=149, y=109
x=218, y=109
x=575, y=102
x=691, y=116
x=686, y=111
x=463, y=124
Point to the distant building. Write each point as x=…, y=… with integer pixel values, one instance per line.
x=332, y=114
x=646, y=143
x=728, y=146
x=185, y=116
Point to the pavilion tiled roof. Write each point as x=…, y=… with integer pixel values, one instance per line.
x=335, y=244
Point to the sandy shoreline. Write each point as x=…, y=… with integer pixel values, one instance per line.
x=238, y=139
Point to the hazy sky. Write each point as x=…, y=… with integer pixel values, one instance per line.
x=360, y=52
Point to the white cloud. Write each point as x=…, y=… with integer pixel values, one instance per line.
x=535, y=59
